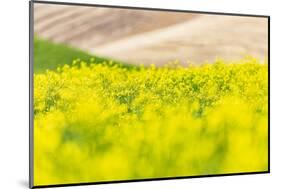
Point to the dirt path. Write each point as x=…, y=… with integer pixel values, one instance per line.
x=151, y=36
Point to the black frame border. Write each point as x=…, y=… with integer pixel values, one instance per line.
x=31, y=115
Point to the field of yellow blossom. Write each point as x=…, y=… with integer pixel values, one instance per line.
x=104, y=122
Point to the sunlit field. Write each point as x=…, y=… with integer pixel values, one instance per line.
x=104, y=121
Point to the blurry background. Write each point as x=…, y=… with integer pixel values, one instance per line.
x=143, y=36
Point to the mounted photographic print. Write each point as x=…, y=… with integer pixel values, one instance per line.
x=121, y=94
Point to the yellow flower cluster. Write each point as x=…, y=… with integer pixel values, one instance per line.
x=104, y=122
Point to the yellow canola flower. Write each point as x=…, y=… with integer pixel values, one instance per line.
x=104, y=122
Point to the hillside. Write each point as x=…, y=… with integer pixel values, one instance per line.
x=143, y=36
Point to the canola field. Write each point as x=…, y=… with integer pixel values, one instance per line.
x=104, y=122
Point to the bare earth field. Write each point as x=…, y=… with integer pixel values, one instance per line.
x=139, y=36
